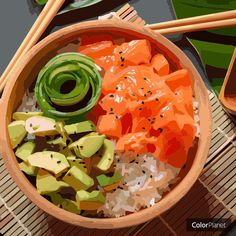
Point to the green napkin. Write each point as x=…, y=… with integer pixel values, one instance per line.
x=216, y=55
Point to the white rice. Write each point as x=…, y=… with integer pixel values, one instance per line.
x=143, y=184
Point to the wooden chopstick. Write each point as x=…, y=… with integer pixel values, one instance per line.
x=38, y=28
x=194, y=20
x=198, y=27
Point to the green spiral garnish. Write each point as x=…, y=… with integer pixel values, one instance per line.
x=68, y=87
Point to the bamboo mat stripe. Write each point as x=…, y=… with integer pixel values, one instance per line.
x=213, y=195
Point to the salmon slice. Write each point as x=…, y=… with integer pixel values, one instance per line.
x=113, y=103
x=135, y=52
x=135, y=142
x=110, y=125
x=160, y=64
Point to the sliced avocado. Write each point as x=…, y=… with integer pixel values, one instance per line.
x=75, y=161
x=54, y=162
x=28, y=169
x=90, y=201
x=47, y=183
x=56, y=198
x=59, y=141
x=25, y=150
x=41, y=126
x=25, y=115
x=107, y=157
x=77, y=179
x=106, y=181
x=71, y=206
x=17, y=132
x=81, y=127
x=88, y=145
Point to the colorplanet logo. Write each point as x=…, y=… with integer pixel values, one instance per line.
x=207, y=224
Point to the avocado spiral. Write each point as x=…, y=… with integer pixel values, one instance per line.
x=68, y=87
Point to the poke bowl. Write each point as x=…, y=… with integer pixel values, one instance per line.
x=105, y=124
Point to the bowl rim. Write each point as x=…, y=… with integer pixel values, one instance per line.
x=108, y=223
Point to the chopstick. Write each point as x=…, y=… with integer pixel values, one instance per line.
x=197, y=27
x=38, y=28
x=195, y=20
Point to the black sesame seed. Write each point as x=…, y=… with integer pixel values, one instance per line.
x=143, y=171
x=142, y=102
x=136, y=162
x=132, y=161
x=145, y=95
x=122, y=65
x=51, y=156
x=161, y=116
x=120, y=187
x=117, y=87
x=81, y=147
x=31, y=125
x=143, y=128
x=138, y=183
x=149, y=119
x=26, y=112
x=122, y=59
x=67, y=142
x=68, y=174
x=120, y=52
x=140, y=109
x=152, y=122
x=73, y=160
x=58, y=162
x=109, y=159
x=144, y=78
x=111, y=109
x=157, y=99
x=142, y=88
x=137, y=155
x=150, y=176
x=111, y=96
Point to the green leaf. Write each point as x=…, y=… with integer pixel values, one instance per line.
x=41, y=2
x=73, y=6
x=188, y=8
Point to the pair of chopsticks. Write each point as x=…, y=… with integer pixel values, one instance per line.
x=126, y=13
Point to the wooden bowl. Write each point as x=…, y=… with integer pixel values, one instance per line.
x=62, y=40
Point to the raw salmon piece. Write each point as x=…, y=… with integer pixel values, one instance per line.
x=110, y=125
x=113, y=103
x=134, y=82
x=97, y=50
x=160, y=64
x=141, y=125
x=127, y=123
x=135, y=142
x=170, y=148
x=135, y=52
x=178, y=79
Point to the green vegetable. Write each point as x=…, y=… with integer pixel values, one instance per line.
x=17, y=132
x=56, y=198
x=41, y=2
x=47, y=183
x=81, y=127
x=71, y=206
x=90, y=201
x=77, y=179
x=25, y=150
x=107, y=157
x=28, y=169
x=25, y=115
x=54, y=162
x=104, y=180
x=88, y=145
x=52, y=87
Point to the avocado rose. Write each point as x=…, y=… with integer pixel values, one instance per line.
x=68, y=87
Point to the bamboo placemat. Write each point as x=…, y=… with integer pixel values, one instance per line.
x=212, y=196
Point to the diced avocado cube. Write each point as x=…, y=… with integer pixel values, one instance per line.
x=59, y=141
x=81, y=127
x=71, y=206
x=47, y=183
x=78, y=179
x=17, y=132
x=108, y=155
x=28, y=169
x=75, y=161
x=25, y=115
x=25, y=150
x=90, y=201
x=41, y=126
x=88, y=145
x=104, y=180
x=56, y=198
x=54, y=162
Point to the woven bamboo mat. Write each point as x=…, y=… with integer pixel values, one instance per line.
x=212, y=196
